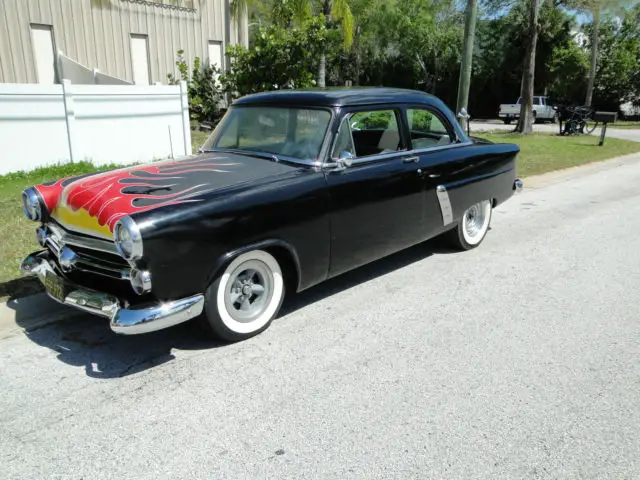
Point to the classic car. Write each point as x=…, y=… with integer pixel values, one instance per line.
x=290, y=189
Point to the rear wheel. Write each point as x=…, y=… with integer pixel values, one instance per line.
x=245, y=299
x=472, y=227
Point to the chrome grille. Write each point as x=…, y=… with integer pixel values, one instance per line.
x=85, y=254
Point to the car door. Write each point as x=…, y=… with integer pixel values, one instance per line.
x=441, y=159
x=377, y=198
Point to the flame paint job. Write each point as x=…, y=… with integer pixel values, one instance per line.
x=93, y=203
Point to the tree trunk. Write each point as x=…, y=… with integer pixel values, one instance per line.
x=525, y=122
x=464, y=81
x=322, y=65
x=322, y=71
x=594, y=57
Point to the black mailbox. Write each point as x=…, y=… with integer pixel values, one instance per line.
x=605, y=117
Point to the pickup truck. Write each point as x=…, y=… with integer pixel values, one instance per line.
x=541, y=110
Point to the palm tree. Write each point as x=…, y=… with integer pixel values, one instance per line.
x=331, y=9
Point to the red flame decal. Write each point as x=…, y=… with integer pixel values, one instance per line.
x=110, y=196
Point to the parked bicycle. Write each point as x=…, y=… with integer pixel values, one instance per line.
x=578, y=120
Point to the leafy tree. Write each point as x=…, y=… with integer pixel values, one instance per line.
x=597, y=9
x=617, y=77
x=331, y=10
x=279, y=58
x=430, y=32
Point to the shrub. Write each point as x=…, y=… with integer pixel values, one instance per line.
x=203, y=88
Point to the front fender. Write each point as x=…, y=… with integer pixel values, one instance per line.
x=224, y=260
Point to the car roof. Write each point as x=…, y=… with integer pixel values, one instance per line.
x=337, y=97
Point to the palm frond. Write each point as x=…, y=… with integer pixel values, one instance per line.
x=340, y=11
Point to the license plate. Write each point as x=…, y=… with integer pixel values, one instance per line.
x=55, y=286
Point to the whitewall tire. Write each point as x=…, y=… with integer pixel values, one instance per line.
x=246, y=297
x=473, y=226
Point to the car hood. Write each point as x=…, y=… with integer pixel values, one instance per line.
x=92, y=204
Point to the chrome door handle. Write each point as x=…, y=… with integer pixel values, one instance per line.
x=414, y=159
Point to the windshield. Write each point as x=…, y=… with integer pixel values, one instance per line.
x=291, y=132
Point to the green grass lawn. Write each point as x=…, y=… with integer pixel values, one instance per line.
x=625, y=124
x=198, y=138
x=540, y=153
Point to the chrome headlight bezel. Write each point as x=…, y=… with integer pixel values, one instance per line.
x=128, y=239
x=33, y=206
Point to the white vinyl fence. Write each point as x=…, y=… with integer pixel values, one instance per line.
x=48, y=124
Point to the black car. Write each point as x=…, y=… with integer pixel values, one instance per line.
x=292, y=188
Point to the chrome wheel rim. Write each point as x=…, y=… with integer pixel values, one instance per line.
x=475, y=220
x=249, y=291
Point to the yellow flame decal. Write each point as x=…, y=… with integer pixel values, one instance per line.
x=80, y=221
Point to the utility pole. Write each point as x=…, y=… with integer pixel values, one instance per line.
x=467, y=57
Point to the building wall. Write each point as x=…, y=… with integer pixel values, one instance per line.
x=97, y=33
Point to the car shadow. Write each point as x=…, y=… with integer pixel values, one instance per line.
x=86, y=341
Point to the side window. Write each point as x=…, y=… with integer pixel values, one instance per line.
x=426, y=129
x=344, y=140
x=368, y=133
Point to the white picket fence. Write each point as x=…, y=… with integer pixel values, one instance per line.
x=48, y=124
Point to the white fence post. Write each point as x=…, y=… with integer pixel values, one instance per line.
x=69, y=117
x=186, y=124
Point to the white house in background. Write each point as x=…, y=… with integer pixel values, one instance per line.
x=131, y=40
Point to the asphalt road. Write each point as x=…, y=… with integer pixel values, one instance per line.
x=519, y=359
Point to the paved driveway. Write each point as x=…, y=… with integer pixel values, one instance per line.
x=625, y=134
x=516, y=360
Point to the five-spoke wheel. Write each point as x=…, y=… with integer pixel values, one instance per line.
x=244, y=300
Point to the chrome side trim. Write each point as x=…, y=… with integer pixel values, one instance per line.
x=127, y=321
x=445, y=204
x=69, y=238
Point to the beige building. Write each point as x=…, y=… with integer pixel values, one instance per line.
x=132, y=40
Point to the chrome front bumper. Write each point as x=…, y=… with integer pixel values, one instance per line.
x=127, y=321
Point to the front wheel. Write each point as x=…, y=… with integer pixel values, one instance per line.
x=507, y=121
x=245, y=299
x=472, y=227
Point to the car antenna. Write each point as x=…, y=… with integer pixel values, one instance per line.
x=170, y=143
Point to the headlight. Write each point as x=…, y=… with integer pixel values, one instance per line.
x=32, y=205
x=128, y=239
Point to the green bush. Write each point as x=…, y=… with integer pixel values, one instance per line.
x=278, y=58
x=204, y=90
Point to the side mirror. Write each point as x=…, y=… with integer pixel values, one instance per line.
x=345, y=160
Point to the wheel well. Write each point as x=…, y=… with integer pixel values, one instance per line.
x=288, y=266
